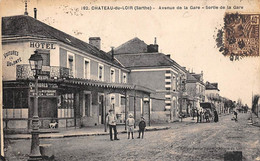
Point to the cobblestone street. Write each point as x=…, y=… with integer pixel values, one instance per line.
x=184, y=141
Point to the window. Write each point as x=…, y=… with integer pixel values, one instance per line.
x=86, y=69
x=119, y=76
x=112, y=75
x=66, y=105
x=173, y=83
x=46, y=59
x=71, y=65
x=124, y=78
x=123, y=100
x=15, y=99
x=45, y=56
x=101, y=72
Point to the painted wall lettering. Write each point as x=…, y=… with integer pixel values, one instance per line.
x=41, y=45
x=13, y=57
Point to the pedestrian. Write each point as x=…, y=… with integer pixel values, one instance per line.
x=235, y=113
x=142, y=126
x=130, y=122
x=201, y=115
x=112, y=125
x=198, y=115
x=215, y=116
x=207, y=116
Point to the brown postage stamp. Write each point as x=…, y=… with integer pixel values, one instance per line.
x=241, y=35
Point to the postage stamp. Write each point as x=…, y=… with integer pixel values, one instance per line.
x=240, y=35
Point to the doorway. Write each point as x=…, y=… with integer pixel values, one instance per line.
x=47, y=107
x=101, y=109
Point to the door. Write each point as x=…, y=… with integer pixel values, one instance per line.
x=87, y=105
x=101, y=109
x=47, y=107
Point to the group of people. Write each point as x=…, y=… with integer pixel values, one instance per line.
x=130, y=122
x=206, y=114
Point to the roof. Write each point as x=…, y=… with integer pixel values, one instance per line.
x=197, y=76
x=132, y=46
x=191, y=78
x=211, y=86
x=22, y=25
x=133, y=54
x=144, y=60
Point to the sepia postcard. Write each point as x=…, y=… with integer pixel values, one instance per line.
x=130, y=80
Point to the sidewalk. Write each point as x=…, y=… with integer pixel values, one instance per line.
x=86, y=131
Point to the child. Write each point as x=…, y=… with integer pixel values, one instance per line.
x=142, y=126
x=130, y=122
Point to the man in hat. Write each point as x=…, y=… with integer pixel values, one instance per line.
x=130, y=122
x=112, y=125
x=142, y=126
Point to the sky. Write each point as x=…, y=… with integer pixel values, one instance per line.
x=187, y=34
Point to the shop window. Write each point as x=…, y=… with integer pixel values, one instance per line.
x=67, y=104
x=8, y=99
x=15, y=99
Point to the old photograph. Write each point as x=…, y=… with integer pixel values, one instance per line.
x=130, y=80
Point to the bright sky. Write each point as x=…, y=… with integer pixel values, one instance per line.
x=188, y=35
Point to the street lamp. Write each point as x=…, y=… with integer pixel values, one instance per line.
x=36, y=66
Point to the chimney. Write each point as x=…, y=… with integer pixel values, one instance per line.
x=112, y=51
x=168, y=55
x=35, y=13
x=155, y=42
x=95, y=41
x=25, y=12
x=152, y=48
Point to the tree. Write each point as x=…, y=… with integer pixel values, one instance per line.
x=255, y=104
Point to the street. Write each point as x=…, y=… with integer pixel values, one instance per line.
x=184, y=141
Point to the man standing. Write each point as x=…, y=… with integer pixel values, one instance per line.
x=112, y=125
x=235, y=113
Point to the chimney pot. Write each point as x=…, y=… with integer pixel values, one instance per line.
x=35, y=13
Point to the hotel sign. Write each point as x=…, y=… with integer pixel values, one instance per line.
x=12, y=58
x=42, y=45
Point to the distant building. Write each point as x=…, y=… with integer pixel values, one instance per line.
x=156, y=71
x=195, y=89
x=212, y=95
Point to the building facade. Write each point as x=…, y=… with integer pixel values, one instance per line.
x=78, y=84
x=213, y=96
x=196, y=91
x=156, y=71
